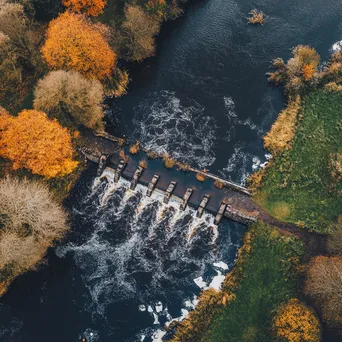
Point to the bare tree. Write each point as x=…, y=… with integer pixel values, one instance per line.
x=324, y=285
x=30, y=221
x=71, y=92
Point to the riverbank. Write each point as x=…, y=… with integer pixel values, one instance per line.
x=298, y=185
x=265, y=275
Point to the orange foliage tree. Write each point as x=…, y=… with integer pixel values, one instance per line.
x=73, y=43
x=88, y=7
x=34, y=142
x=295, y=322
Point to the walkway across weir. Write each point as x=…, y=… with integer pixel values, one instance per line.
x=232, y=201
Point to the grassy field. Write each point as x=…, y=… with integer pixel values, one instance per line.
x=297, y=187
x=269, y=279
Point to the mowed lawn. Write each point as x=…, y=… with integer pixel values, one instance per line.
x=298, y=186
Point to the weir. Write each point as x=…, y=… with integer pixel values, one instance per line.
x=228, y=200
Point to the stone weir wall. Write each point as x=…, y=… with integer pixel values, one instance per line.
x=232, y=201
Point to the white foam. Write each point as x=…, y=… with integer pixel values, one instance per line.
x=142, y=307
x=217, y=281
x=159, y=307
x=337, y=46
x=221, y=265
x=165, y=126
x=200, y=283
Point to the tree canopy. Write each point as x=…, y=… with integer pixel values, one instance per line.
x=69, y=91
x=88, y=7
x=295, y=322
x=30, y=221
x=34, y=142
x=73, y=43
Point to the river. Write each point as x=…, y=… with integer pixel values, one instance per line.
x=130, y=264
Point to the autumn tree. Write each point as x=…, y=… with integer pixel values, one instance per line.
x=295, y=322
x=138, y=32
x=30, y=222
x=34, y=142
x=298, y=72
x=88, y=7
x=324, y=284
x=73, y=43
x=68, y=92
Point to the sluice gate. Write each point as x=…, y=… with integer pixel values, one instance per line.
x=119, y=170
x=152, y=185
x=136, y=176
x=186, y=198
x=202, y=205
x=169, y=192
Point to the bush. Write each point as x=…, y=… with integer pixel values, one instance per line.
x=200, y=176
x=299, y=72
x=283, y=130
x=169, y=163
x=135, y=148
x=256, y=17
x=219, y=184
x=69, y=91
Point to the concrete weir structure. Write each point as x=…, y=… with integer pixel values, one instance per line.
x=232, y=200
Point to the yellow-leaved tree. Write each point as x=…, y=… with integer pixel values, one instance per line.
x=88, y=7
x=33, y=141
x=73, y=43
x=295, y=322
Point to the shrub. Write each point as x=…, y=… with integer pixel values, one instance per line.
x=294, y=321
x=200, y=176
x=135, y=148
x=256, y=17
x=168, y=161
x=152, y=154
x=71, y=92
x=219, y=184
x=73, y=43
x=34, y=142
x=299, y=71
x=30, y=222
x=88, y=7
x=283, y=130
x=143, y=164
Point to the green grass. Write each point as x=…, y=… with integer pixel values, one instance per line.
x=299, y=181
x=268, y=280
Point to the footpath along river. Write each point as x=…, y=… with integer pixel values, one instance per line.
x=130, y=264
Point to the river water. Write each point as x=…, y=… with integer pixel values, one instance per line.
x=130, y=264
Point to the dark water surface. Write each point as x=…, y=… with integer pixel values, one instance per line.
x=129, y=264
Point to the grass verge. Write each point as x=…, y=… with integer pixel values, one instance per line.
x=297, y=185
x=264, y=277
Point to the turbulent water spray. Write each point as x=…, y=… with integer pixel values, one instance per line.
x=139, y=248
